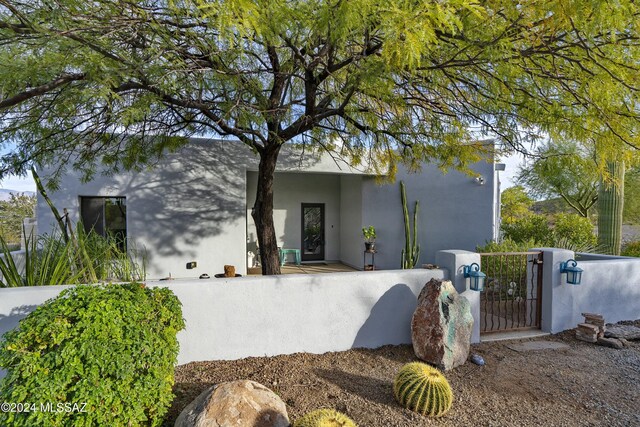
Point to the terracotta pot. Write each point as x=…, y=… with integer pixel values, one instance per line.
x=229, y=271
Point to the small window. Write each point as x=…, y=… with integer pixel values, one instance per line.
x=106, y=216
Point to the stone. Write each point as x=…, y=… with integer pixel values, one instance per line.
x=235, y=404
x=610, y=342
x=590, y=337
x=588, y=328
x=441, y=325
x=628, y=332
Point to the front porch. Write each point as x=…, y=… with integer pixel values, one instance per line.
x=309, y=268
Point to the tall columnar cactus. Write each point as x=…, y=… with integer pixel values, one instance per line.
x=610, y=205
x=324, y=418
x=423, y=389
x=411, y=251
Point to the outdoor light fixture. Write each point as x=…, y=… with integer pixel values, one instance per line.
x=477, y=277
x=574, y=273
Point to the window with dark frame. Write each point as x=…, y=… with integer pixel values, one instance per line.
x=106, y=216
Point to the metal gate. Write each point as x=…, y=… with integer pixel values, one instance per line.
x=512, y=296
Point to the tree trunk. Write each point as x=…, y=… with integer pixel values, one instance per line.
x=262, y=211
x=610, y=206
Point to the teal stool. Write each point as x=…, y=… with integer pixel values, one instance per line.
x=285, y=252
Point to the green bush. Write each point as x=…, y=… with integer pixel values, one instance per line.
x=532, y=227
x=632, y=249
x=576, y=230
x=109, y=350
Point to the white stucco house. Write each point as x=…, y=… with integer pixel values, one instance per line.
x=195, y=206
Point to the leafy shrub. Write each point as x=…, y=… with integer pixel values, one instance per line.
x=508, y=245
x=575, y=229
x=532, y=227
x=112, y=347
x=632, y=249
x=565, y=231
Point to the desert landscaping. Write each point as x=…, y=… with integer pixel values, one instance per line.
x=573, y=383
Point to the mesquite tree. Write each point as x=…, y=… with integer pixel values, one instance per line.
x=119, y=83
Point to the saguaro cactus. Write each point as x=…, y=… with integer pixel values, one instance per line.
x=423, y=389
x=610, y=205
x=411, y=251
x=324, y=418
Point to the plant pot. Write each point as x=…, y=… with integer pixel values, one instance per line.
x=370, y=246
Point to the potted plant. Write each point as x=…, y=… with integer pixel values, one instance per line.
x=369, y=234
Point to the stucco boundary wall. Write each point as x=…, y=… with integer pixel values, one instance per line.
x=263, y=316
x=610, y=286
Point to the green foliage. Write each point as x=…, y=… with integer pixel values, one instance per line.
x=564, y=169
x=508, y=245
x=631, y=210
x=411, y=251
x=112, y=347
x=85, y=258
x=46, y=260
x=515, y=204
x=532, y=227
x=423, y=389
x=369, y=233
x=361, y=72
x=575, y=229
x=324, y=418
x=373, y=82
x=567, y=231
x=12, y=213
x=632, y=249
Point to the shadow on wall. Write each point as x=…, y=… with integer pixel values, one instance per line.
x=10, y=321
x=390, y=319
x=190, y=195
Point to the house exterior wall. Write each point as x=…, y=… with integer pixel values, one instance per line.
x=195, y=205
x=455, y=211
x=190, y=207
x=351, y=240
x=290, y=191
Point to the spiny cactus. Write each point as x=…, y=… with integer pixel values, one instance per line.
x=411, y=251
x=610, y=207
x=324, y=418
x=423, y=389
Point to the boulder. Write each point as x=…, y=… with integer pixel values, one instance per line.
x=441, y=325
x=235, y=404
x=628, y=332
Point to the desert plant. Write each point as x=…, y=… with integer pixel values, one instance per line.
x=324, y=418
x=411, y=251
x=45, y=261
x=108, y=349
x=632, y=249
x=423, y=389
x=610, y=209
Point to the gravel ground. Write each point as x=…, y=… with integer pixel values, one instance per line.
x=583, y=385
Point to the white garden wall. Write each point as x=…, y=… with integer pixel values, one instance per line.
x=264, y=316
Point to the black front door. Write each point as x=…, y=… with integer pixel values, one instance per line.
x=312, y=231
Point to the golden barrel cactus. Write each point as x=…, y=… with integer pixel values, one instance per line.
x=423, y=389
x=324, y=418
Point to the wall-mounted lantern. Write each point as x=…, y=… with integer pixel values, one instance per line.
x=574, y=273
x=477, y=277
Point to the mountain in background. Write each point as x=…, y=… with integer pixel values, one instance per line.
x=5, y=193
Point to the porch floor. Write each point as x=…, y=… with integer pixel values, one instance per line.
x=312, y=268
